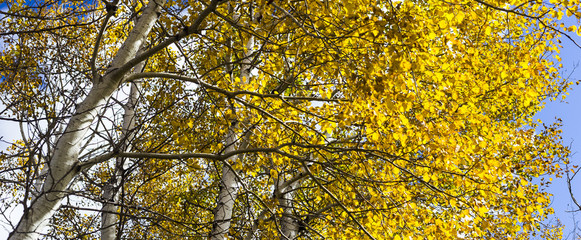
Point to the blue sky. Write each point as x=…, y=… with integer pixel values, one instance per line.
x=569, y=111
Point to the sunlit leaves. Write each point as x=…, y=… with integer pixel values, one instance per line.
x=409, y=119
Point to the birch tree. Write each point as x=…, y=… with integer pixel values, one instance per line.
x=265, y=119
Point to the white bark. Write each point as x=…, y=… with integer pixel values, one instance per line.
x=37, y=183
x=228, y=182
x=288, y=224
x=63, y=166
x=228, y=192
x=285, y=195
x=110, y=207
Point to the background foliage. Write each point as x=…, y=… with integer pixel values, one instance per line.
x=319, y=119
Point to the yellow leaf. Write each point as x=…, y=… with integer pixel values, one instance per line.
x=487, y=30
x=395, y=170
x=426, y=177
x=405, y=65
x=449, y=16
x=431, y=35
x=504, y=75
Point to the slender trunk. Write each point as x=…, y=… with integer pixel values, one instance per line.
x=110, y=207
x=228, y=191
x=63, y=166
x=37, y=183
x=228, y=182
x=288, y=223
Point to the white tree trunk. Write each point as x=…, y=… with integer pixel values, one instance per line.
x=110, y=207
x=228, y=182
x=288, y=224
x=228, y=192
x=63, y=166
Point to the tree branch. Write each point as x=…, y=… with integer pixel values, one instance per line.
x=194, y=28
x=229, y=94
x=220, y=157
